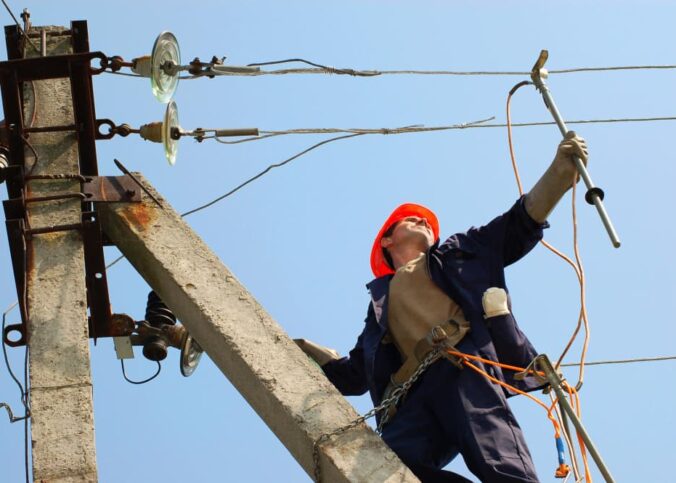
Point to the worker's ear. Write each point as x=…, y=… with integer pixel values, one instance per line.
x=385, y=242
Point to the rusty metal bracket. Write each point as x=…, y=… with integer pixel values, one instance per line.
x=62, y=196
x=18, y=252
x=78, y=68
x=30, y=232
x=110, y=189
x=138, y=183
x=95, y=277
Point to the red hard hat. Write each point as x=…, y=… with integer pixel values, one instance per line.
x=378, y=263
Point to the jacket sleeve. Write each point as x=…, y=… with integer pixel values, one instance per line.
x=348, y=373
x=510, y=235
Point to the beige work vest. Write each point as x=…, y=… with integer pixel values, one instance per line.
x=416, y=305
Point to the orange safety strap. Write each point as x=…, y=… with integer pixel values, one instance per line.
x=562, y=470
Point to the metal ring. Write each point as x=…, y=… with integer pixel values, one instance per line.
x=14, y=328
x=105, y=122
x=104, y=63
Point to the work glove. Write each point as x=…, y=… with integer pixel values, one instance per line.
x=572, y=145
x=320, y=354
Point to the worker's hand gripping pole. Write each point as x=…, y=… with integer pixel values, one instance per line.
x=594, y=195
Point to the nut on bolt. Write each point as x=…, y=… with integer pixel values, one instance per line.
x=4, y=164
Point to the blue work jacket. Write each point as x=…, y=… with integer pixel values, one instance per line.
x=464, y=267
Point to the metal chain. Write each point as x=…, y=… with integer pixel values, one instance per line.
x=385, y=405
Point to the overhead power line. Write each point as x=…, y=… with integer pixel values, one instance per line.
x=324, y=69
x=354, y=132
x=422, y=128
x=622, y=361
x=266, y=170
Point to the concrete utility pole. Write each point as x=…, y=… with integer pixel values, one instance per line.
x=62, y=420
x=291, y=394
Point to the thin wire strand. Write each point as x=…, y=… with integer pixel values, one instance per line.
x=580, y=121
x=324, y=69
x=25, y=397
x=114, y=261
x=419, y=128
x=415, y=128
x=621, y=361
x=125, y=74
x=6, y=358
x=27, y=421
x=318, y=68
x=144, y=381
x=25, y=35
x=12, y=418
x=265, y=171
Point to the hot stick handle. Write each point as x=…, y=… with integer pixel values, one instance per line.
x=594, y=195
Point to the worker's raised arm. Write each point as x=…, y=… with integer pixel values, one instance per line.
x=550, y=188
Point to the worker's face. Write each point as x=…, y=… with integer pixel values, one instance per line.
x=412, y=230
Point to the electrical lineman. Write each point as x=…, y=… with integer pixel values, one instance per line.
x=428, y=296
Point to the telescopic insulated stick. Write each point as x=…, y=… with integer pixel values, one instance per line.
x=594, y=195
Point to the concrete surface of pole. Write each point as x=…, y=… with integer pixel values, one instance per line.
x=62, y=420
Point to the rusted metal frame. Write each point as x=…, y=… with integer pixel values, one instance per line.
x=138, y=183
x=79, y=36
x=13, y=42
x=12, y=95
x=68, y=127
x=76, y=67
x=15, y=212
x=78, y=177
x=17, y=248
x=85, y=119
x=95, y=189
x=82, y=92
x=12, y=105
x=51, y=229
x=50, y=33
x=100, y=323
x=14, y=174
x=62, y=196
x=111, y=189
x=52, y=67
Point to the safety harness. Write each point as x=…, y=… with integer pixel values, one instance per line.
x=438, y=341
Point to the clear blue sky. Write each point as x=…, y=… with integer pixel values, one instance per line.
x=299, y=238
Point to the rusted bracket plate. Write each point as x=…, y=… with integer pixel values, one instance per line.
x=97, y=283
x=18, y=253
x=52, y=67
x=110, y=189
x=79, y=69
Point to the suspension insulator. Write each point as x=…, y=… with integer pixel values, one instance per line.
x=157, y=313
